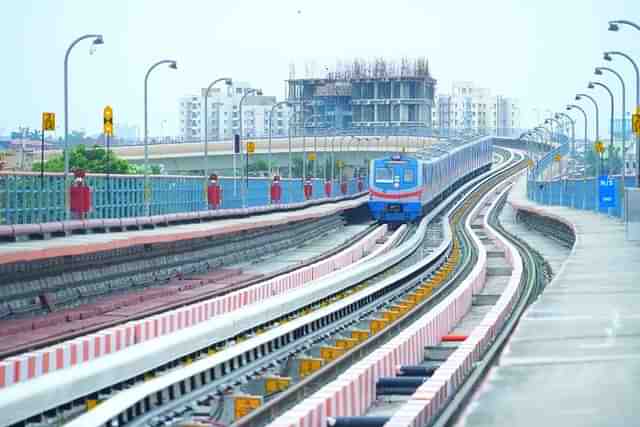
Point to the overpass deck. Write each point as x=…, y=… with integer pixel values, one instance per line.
x=574, y=358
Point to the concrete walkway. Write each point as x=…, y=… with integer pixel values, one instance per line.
x=574, y=359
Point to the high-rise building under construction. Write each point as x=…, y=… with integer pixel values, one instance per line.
x=364, y=94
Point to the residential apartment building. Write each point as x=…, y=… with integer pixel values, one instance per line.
x=223, y=114
x=470, y=108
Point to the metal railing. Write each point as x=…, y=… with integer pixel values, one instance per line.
x=577, y=193
x=26, y=198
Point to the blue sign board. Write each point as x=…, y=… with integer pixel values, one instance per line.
x=606, y=192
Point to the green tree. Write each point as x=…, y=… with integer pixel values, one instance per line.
x=94, y=159
x=296, y=167
x=612, y=152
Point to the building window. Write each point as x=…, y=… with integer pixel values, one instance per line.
x=357, y=113
x=384, y=90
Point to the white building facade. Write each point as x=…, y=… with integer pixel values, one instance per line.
x=470, y=108
x=224, y=114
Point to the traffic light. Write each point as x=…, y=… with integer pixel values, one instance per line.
x=236, y=143
x=108, y=121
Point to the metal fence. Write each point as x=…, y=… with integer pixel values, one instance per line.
x=632, y=213
x=574, y=193
x=27, y=198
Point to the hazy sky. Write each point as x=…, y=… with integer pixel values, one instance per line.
x=540, y=51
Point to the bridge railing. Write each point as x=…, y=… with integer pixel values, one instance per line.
x=27, y=198
x=577, y=193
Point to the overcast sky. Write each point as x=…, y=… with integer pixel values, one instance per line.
x=539, y=51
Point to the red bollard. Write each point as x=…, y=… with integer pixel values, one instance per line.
x=276, y=190
x=79, y=196
x=308, y=188
x=327, y=188
x=214, y=192
x=343, y=187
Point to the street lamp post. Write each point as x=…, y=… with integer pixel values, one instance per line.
x=573, y=134
x=228, y=81
x=173, y=65
x=275, y=106
x=573, y=130
x=97, y=40
x=592, y=85
x=607, y=57
x=550, y=121
x=584, y=113
x=597, y=155
x=245, y=194
x=615, y=26
x=539, y=134
x=550, y=130
x=598, y=71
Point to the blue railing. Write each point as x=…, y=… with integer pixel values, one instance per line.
x=25, y=198
x=574, y=193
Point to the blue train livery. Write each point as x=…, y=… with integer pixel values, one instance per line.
x=404, y=187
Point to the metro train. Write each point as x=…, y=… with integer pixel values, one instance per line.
x=403, y=188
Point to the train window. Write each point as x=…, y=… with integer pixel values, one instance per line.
x=384, y=174
x=409, y=175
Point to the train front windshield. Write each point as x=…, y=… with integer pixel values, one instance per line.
x=384, y=174
x=395, y=174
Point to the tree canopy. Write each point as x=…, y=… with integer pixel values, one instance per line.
x=93, y=159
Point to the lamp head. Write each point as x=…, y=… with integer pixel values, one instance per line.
x=607, y=56
x=228, y=82
x=98, y=40
x=578, y=97
x=598, y=71
x=568, y=107
x=259, y=92
x=591, y=85
x=613, y=26
x=173, y=65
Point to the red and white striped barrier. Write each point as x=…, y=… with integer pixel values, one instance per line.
x=84, y=349
x=354, y=391
x=431, y=397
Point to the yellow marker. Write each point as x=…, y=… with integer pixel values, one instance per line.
x=308, y=366
x=390, y=315
x=311, y=156
x=331, y=353
x=376, y=325
x=251, y=147
x=91, y=404
x=276, y=384
x=346, y=343
x=360, y=335
x=635, y=122
x=48, y=121
x=243, y=405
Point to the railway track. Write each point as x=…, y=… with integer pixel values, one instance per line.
x=199, y=263
x=535, y=274
x=400, y=293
